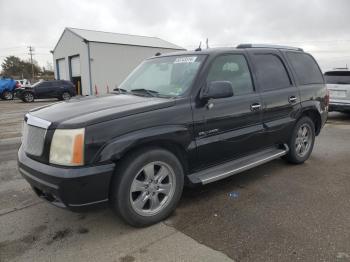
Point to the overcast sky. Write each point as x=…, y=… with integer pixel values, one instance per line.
x=320, y=27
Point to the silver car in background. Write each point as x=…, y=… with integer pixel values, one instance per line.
x=338, y=84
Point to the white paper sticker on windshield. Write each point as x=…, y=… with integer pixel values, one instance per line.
x=185, y=59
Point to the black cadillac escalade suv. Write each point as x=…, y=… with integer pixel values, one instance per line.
x=180, y=118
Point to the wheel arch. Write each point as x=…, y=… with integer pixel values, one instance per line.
x=315, y=116
x=176, y=139
x=168, y=145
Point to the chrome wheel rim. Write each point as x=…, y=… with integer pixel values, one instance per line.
x=66, y=96
x=28, y=97
x=303, y=140
x=152, y=188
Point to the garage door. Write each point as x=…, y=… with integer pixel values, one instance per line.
x=75, y=66
x=61, y=69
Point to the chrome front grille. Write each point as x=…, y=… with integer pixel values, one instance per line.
x=34, y=132
x=33, y=139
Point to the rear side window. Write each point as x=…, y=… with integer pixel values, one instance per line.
x=233, y=68
x=338, y=77
x=306, y=68
x=271, y=72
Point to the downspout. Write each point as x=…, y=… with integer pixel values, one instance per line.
x=89, y=60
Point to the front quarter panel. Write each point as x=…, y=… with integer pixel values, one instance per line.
x=116, y=148
x=109, y=140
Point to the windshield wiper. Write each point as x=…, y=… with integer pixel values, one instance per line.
x=145, y=91
x=120, y=90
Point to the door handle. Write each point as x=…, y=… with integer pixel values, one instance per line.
x=292, y=99
x=255, y=107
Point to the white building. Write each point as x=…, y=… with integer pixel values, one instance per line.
x=93, y=60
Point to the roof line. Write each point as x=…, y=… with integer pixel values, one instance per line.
x=113, y=32
x=71, y=30
x=159, y=47
x=66, y=28
x=74, y=33
x=59, y=39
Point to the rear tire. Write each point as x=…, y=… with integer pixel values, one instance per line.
x=147, y=186
x=302, y=141
x=28, y=97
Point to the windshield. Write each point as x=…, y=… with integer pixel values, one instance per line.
x=338, y=77
x=164, y=76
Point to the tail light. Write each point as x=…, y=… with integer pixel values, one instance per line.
x=326, y=97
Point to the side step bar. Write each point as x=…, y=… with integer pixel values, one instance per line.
x=237, y=166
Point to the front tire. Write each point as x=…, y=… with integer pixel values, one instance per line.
x=302, y=141
x=28, y=97
x=147, y=186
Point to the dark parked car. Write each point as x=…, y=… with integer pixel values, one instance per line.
x=180, y=118
x=60, y=89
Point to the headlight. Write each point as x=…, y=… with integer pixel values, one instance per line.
x=67, y=147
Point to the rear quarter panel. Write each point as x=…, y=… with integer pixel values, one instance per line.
x=312, y=96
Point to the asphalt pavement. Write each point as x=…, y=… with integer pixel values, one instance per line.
x=275, y=212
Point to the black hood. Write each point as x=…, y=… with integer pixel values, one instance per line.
x=81, y=112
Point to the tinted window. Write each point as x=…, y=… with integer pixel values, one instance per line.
x=271, y=72
x=338, y=77
x=233, y=68
x=305, y=68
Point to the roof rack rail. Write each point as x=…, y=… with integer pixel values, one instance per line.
x=269, y=46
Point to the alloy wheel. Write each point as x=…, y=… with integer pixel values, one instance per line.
x=303, y=140
x=28, y=97
x=152, y=188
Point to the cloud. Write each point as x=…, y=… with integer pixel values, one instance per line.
x=318, y=26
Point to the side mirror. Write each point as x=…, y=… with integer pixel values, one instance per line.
x=217, y=89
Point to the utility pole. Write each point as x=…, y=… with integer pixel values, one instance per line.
x=31, y=50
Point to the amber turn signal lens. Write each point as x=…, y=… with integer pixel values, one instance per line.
x=78, y=154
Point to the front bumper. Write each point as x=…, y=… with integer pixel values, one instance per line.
x=339, y=106
x=72, y=188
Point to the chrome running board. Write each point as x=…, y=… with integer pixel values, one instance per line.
x=238, y=165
